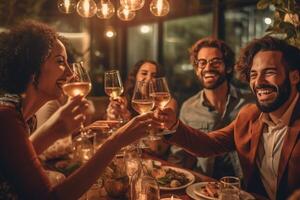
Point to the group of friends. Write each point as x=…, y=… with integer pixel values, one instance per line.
x=222, y=130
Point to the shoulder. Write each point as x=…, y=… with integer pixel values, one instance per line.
x=249, y=112
x=189, y=102
x=10, y=118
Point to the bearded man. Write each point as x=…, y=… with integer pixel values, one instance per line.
x=265, y=135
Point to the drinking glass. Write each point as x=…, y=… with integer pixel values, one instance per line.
x=132, y=159
x=230, y=188
x=113, y=85
x=159, y=90
x=142, y=102
x=79, y=84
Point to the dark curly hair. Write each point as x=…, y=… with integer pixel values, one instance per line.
x=23, y=50
x=227, y=53
x=290, y=55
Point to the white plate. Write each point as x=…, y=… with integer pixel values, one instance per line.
x=188, y=175
x=199, y=196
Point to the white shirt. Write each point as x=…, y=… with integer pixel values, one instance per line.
x=269, y=149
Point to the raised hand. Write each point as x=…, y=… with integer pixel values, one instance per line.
x=167, y=116
x=117, y=108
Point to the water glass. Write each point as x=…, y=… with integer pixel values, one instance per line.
x=230, y=188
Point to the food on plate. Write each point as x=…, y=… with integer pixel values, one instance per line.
x=211, y=189
x=167, y=177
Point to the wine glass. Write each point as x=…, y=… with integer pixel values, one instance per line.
x=132, y=159
x=142, y=102
x=160, y=92
x=79, y=84
x=113, y=86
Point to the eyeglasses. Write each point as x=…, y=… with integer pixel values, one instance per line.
x=215, y=62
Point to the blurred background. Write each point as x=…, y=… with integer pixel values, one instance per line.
x=116, y=44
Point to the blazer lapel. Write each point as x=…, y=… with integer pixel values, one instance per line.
x=289, y=141
x=256, y=130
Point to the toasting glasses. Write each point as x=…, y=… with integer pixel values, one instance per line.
x=159, y=91
x=80, y=84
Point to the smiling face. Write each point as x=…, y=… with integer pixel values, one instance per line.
x=54, y=72
x=211, y=76
x=269, y=80
x=146, y=72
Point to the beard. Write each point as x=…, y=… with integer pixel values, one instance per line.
x=283, y=93
x=214, y=85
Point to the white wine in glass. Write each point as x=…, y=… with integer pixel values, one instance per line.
x=141, y=100
x=159, y=90
x=113, y=85
x=79, y=84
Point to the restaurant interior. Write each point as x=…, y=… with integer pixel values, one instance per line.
x=115, y=39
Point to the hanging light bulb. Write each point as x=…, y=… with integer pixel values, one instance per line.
x=125, y=14
x=86, y=8
x=159, y=7
x=105, y=9
x=66, y=6
x=132, y=4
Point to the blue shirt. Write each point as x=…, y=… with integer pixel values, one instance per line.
x=199, y=114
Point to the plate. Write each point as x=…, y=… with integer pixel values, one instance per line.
x=187, y=174
x=192, y=191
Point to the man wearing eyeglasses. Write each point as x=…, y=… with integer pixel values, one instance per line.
x=214, y=107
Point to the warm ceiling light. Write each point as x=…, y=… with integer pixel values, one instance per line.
x=105, y=9
x=66, y=6
x=86, y=8
x=132, y=4
x=159, y=7
x=125, y=14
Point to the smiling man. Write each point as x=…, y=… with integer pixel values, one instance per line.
x=213, y=107
x=265, y=135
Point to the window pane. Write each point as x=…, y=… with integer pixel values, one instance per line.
x=244, y=24
x=142, y=43
x=179, y=36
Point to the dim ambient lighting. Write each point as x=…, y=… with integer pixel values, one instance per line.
x=105, y=8
x=109, y=33
x=268, y=20
x=132, y=4
x=86, y=8
x=125, y=14
x=66, y=6
x=145, y=29
x=159, y=7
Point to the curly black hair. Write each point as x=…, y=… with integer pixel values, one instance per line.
x=227, y=53
x=290, y=55
x=23, y=49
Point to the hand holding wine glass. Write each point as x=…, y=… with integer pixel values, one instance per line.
x=79, y=84
x=160, y=92
x=113, y=86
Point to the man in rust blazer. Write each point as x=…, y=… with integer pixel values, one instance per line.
x=265, y=135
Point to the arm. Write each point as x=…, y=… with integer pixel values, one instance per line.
x=201, y=144
x=22, y=168
x=118, y=108
x=197, y=142
x=62, y=123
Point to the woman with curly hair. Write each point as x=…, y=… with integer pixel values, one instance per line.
x=33, y=68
